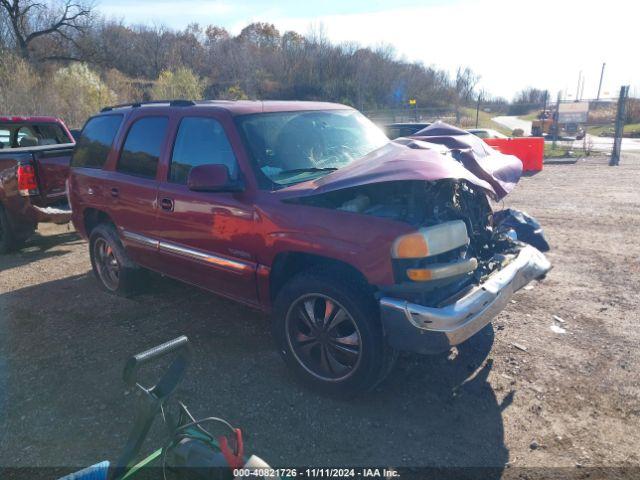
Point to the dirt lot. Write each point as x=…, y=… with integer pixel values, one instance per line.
x=570, y=398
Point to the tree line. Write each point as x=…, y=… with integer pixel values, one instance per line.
x=68, y=40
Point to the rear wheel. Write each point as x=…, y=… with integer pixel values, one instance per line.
x=328, y=331
x=113, y=268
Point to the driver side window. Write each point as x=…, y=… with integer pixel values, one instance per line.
x=200, y=141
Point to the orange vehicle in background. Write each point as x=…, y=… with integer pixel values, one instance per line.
x=545, y=124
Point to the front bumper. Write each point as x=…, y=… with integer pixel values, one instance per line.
x=416, y=328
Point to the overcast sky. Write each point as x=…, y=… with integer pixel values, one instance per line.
x=511, y=44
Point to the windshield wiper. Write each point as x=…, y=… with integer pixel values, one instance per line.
x=309, y=169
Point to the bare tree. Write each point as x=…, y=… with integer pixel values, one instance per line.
x=30, y=21
x=259, y=62
x=464, y=84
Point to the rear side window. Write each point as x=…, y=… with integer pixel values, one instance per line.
x=200, y=141
x=95, y=142
x=142, y=147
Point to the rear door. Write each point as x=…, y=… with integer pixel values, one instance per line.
x=91, y=156
x=132, y=187
x=205, y=237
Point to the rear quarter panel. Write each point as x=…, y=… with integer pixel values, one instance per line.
x=87, y=190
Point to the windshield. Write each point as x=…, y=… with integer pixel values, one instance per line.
x=292, y=147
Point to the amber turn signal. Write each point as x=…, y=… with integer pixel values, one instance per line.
x=419, y=274
x=442, y=270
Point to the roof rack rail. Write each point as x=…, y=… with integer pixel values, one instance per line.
x=171, y=103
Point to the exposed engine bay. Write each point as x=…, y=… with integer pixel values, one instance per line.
x=418, y=203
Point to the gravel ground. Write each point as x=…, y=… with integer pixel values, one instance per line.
x=569, y=398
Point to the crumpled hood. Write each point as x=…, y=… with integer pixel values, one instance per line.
x=423, y=157
x=500, y=170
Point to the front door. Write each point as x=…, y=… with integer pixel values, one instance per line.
x=205, y=237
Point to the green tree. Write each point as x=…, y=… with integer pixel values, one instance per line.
x=80, y=92
x=178, y=84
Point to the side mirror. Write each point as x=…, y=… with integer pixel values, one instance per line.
x=212, y=178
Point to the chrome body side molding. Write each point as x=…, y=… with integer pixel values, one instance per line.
x=187, y=252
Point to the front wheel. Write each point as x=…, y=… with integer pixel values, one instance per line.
x=328, y=331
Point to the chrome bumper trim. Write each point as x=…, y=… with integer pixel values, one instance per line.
x=437, y=329
x=52, y=214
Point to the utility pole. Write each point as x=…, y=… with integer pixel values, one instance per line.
x=617, y=141
x=600, y=84
x=478, y=108
x=555, y=121
x=578, y=89
x=414, y=103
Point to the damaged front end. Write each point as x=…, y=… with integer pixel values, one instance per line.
x=456, y=242
x=462, y=262
x=455, y=272
x=432, y=329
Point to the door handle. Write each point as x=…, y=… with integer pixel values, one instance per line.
x=166, y=204
x=115, y=192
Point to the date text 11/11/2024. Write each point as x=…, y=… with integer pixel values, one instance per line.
x=316, y=473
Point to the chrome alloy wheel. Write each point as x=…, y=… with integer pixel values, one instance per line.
x=323, y=337
x=106, y=264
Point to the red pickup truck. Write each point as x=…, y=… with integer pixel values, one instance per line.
x=358, y=246
x=34, y=165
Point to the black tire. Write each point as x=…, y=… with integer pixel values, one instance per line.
x=8, y=240
x=113, y=268
x=349, y=354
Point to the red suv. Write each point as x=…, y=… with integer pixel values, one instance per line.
x=359, y=246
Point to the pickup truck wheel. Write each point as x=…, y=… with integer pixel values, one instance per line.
x=327, y=329
x=113, y=268
x=8, y=241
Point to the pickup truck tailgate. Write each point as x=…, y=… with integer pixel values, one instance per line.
x=52, y=169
